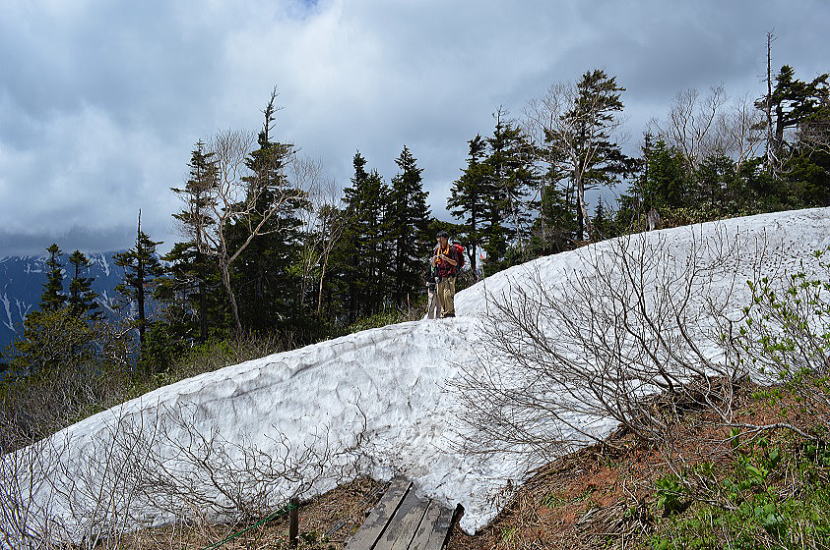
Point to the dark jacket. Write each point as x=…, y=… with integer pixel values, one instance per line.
x=445, y=269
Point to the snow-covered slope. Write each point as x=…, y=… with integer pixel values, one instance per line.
x=377, y=401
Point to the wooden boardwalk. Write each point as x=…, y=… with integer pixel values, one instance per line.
x=402, y=521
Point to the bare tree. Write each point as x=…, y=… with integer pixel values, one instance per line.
x=692, y=125
x=236, y=205
x=323, y=224
x=740, y=131
x=143, y=469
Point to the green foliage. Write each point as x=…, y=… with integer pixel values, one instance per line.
x=787, y=337
x=53, y=297
x=671, y=495
x=141, y=267
x=365, y=252
x=62, y=369
x=192, y=291
x=266, y=287
x=375, y=321
x=53, y=340
x=768, y=496
x=408, y=223
x=81, y=296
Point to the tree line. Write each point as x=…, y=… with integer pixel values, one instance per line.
x=270, y=245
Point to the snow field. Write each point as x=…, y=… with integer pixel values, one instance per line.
x=385, y=390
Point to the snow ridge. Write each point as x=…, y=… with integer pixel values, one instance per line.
x=387, y=387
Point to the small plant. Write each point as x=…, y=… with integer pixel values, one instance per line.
x=508, y=533
x=671, y=494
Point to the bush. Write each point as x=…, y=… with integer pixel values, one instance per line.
x=768, y=496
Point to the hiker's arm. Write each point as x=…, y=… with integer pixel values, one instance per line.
x=449, y=260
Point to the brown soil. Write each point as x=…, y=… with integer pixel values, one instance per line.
x=603, y=496
x=325, y=522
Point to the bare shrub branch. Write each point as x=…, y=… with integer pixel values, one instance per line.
x=635, y=336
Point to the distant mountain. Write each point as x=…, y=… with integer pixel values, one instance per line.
x=21, y=284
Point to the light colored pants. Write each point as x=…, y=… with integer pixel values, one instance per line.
x=446, y=296
x=433, y=309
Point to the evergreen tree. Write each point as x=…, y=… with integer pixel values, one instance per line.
x=53, y=297
x=81, y=296
x=555, y=227
x=193, y=276
x=791, y=102
x=267, y=287
x=602, y=223
x=581, y=143
x=667, y=182
x=468, y=197
x=141, y=267
x=408, y=222
x=365, y=245
x=510, y=175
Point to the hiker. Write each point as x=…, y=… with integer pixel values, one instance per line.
x=446, y=259
x=431, y=278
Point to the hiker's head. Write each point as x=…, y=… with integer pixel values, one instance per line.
x=443, y=237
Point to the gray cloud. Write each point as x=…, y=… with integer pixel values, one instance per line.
x=101, y=102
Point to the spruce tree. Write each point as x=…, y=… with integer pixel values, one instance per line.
x=267, y=288
x=509, y=176
x=141, y=267
x=53, y=297
x=365, y=243
x=409, y=225
x=468, y=197
x=193, y=275
x=81, y=296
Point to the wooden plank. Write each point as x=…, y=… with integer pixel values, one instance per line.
x=404, y=524
x=424, y=531
x=440, y=533
x=378, y=519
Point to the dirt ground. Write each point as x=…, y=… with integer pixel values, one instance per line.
x=603, y=496
x=325, y=522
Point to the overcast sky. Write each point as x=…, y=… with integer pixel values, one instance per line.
x=101, y=101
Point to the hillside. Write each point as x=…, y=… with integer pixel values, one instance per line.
x=378, y=402
x=21, y=284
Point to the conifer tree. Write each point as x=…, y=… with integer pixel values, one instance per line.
x=263, y=275
x=141, y=267
x=409, y=225
x=366, y=245
x=53, y=297
x=555, y=226
x=508, y=178
x=468, y=197
x=81, y=296
x=580, y=137
x=193, y=275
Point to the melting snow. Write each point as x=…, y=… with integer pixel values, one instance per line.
x=389, y=384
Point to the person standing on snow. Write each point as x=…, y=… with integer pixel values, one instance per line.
x=446, y=261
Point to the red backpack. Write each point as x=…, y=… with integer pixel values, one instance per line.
x=461, y=255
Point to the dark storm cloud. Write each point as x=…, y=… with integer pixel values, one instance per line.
x=101, y=102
